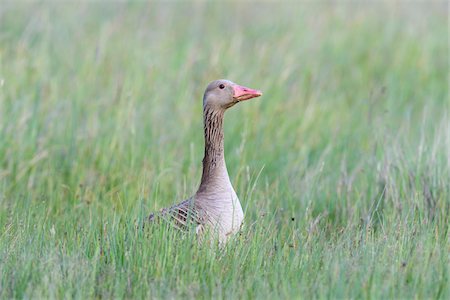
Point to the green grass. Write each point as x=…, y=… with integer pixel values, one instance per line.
x=342, y=167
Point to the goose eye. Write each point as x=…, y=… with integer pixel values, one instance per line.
x=222, y=86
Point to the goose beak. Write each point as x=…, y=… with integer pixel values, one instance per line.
x=242, y=93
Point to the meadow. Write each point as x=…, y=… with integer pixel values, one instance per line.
x=342, y=166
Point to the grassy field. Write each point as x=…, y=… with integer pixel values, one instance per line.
x=342, y=167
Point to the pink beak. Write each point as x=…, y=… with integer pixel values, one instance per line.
x=244, y=93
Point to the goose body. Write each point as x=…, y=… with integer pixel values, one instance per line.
x=215, y=206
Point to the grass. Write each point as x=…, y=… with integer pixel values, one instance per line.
x=342, y=167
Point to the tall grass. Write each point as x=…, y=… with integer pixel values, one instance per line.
x=343, y=166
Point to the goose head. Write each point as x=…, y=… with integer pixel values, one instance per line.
x=223, y=94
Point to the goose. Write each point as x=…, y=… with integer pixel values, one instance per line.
x=215, y=207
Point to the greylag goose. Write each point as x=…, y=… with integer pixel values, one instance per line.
x=215, y=206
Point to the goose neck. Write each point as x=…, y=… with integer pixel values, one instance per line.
x=214, y=160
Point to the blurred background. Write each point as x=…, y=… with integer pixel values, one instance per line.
x=106, y=97
x=108, y=94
